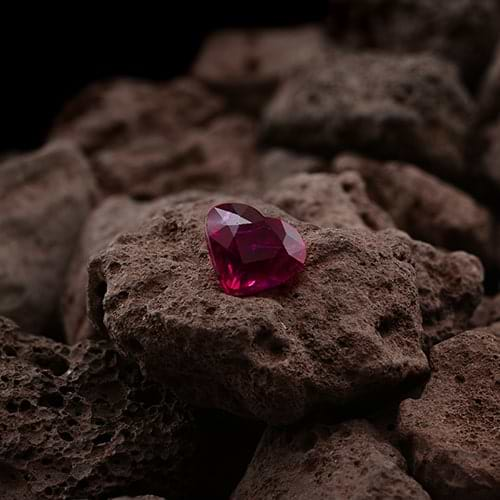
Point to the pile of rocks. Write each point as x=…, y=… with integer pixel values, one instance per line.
x=126, y=370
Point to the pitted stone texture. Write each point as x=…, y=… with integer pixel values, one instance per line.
x=452, y=430
x=450, y=287
x=247, y=66
x=349, y=460
x=44, y=200
x=111, y=114
x=219, y=155
x=489, y=98
x=464, y=31
x=347, y=327
x=409, y=108
x=487, y=313
x=277, y=164
x=329, y=200
x=426, y=207
x=83, y=423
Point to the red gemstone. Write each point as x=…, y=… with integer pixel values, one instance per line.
x=251, y=253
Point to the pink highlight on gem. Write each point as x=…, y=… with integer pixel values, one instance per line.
x=252, y=253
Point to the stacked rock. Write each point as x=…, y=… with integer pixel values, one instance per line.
x=125, y=369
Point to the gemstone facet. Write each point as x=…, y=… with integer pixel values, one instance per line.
x=251, y=253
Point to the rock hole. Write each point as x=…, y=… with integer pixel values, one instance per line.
x=104, y=438
x=459, y=379
x=10, y=351
x=53, y=362
x=51, y=400
x=134, y=345
x=66, y=436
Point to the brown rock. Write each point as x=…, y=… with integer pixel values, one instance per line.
x=452, y=430
x=426, y=207
x=450, y=287
x=44, y=200
x=487, y=313
x=349, y=460
x=277, y=164
x=247, y=66
x=221, y=154
x=463, y=31
x=409, y=108
x=329, y=200
x=114, y=113
x=82, y=422
x=275, y=356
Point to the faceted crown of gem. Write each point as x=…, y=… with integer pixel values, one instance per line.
x=250, y=252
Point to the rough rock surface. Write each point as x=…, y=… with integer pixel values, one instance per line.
x=44, y=200
x=487, y=313
x=329, y=200
x=277, y=164
x=348, y=326
x=409, y=108
x=83, y=423
x=219, y=155
x=450, y=287
x=247, y=66
x=349, y=460
x=426, y=207
x=464, y=31
x=452, y=430
x=113, y=113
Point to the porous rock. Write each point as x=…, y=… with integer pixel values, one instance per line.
x=452, y=430
x=409, y=108
x=44, y=199
x=348, y=326
x=246, y=66
x=218, y=155
x=487, y=312
x=329, y=200
x=113, y=113
x=276, y=164
x=348, y=460
x=450, y=287
x=464, y=31
x=426, y=207
x=82, y=422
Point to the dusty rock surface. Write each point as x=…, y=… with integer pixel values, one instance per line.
x=349, y=460
x=452, y=430
x=219, y=155
x=450, y=287
x=410, y=108
x=81, y=422
x=487, y=313
x=44, y=200
x=329, y=200
x=426, y=207
x=463, y=31
x=277, y=164
x=111, y=114
x=247, y=66
x=274, y=356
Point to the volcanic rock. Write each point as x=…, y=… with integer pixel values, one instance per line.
x=409, y=108
x=44, y=200
x=329, y=200
x=451, y=431
x=463, y=31
x=246, y=66
x=348, y=460
x=426, y=207
x=348, y=327
x=487, y=313
x=111, y=114
x=82, y=422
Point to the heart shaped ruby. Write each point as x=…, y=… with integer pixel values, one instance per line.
x=251, y=253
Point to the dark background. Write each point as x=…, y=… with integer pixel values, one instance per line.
x=48, y=57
